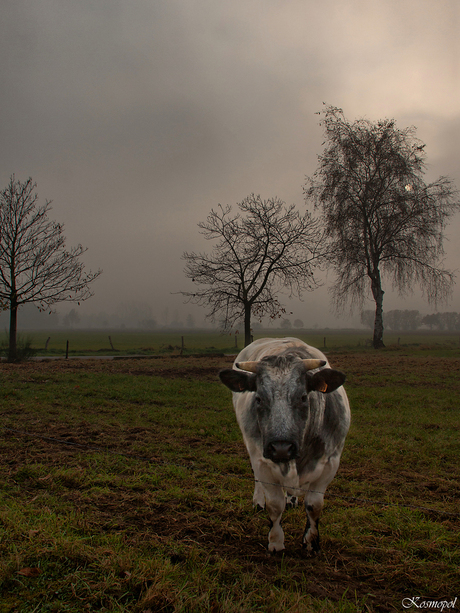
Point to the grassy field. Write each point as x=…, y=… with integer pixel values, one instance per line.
x=126, y=342
x=125, y=486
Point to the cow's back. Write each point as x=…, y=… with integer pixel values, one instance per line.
x=264, y=347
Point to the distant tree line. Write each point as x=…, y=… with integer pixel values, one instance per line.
x=130, y=315
x=410, y=320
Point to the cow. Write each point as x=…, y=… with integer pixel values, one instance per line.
x=294, y=416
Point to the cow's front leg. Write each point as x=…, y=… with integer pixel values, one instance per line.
x=313, y=506
x=258, y=499
x=314, y=502
x=275, y=502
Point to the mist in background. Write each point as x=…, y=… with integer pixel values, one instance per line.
x=137, y=118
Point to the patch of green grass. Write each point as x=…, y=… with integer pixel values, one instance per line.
x=128, y=342
x=146, y=504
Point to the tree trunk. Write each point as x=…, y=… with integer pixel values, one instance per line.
x=12, y=347
x=247, y=324
x=378, y=292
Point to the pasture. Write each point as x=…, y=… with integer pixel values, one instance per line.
x=125, y=486
x=162, y=342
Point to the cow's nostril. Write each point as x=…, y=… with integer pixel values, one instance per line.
x=281, y=451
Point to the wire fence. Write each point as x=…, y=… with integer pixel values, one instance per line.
x=211, y=471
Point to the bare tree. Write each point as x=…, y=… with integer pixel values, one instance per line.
x=381, y=218
x=35, y=266
x=260, y=250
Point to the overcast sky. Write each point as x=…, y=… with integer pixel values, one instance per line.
x=136, y=118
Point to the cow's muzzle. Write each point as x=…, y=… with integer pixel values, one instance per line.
x=280, y=451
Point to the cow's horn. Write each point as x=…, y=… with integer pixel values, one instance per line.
x=248, y=366
x=311, y=364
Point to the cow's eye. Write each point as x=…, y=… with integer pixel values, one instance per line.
x=304, y=397
x=258, y=400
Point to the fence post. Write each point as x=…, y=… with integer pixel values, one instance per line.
x=67, y=350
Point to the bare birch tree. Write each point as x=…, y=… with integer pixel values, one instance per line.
x=382, y=220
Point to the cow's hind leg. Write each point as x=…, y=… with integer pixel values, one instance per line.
x=291, y=499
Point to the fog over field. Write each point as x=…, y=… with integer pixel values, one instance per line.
x=136, y=118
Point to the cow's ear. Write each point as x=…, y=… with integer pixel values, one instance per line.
x=238, y=381
x=326, y=380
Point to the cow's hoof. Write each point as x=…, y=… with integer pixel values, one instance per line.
x=309, y=555
x=310, y=550
x=276, y=550
x=257, y=508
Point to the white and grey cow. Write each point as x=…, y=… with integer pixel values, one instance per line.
x=294, y=416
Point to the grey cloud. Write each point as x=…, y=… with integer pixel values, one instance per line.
x=136, y=118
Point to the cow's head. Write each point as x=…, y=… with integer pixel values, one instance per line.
x=281, y=386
